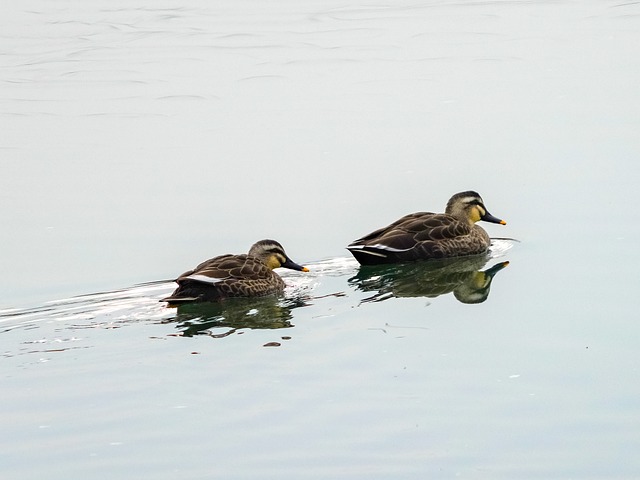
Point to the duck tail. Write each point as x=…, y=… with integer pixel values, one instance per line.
x=368, y=256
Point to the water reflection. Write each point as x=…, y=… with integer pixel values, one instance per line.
x=462, y=276
x=235, y=314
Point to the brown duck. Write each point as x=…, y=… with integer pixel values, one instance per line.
x=426, y=235
x=249, y=275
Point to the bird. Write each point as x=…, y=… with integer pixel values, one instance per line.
x=245, y=275
x=426, y=235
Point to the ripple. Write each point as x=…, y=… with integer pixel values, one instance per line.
x=116, y=308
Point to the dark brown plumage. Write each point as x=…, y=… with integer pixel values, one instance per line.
x=249, y=275
x=426, y=235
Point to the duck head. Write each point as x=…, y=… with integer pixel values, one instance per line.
x=469, y=206
x=272, y=254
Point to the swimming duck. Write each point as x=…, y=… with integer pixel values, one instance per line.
x=426, y=235
x=249, y=275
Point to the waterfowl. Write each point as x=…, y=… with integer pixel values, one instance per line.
x=249, y=275
x=426, y=235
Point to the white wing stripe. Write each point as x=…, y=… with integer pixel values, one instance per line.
x=203, y=278
x=379, y=246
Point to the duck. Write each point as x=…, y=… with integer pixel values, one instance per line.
x=244, y=275
x=426, y=235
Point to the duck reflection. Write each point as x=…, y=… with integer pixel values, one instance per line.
x=462, y=276
x=235, y=314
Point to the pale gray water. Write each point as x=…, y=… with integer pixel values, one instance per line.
x=138, y=140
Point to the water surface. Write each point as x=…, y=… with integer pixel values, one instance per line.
x=140, y=140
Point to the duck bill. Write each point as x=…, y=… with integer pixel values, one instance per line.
x=294, y=266
x=487, y=217
x=490, y=272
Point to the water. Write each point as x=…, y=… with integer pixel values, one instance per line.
x=138, y=141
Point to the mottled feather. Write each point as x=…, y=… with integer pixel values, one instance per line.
x=245, y=275
x=424, y=235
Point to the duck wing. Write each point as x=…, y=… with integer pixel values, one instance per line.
x=227, y=268
x=225, y=276
x=416, y=227
x=414, y=236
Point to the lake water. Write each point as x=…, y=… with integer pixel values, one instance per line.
x=138, y=140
